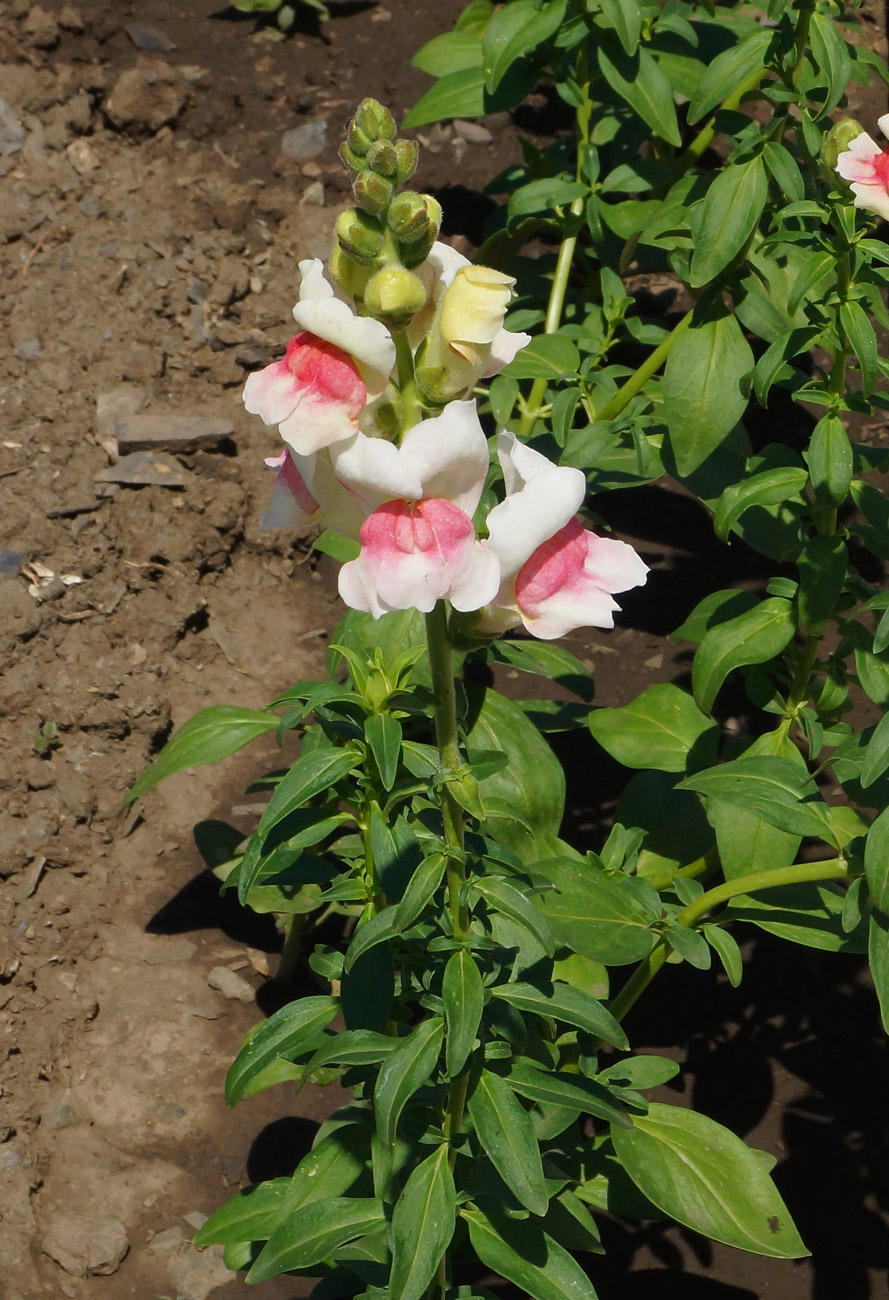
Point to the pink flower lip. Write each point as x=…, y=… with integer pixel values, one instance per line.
x=325, y=370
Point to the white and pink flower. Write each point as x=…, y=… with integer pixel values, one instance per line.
x=555, y=574
x=866, y=166
x=420, y=546
x=317, y=393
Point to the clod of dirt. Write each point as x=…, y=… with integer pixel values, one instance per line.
x=144, y=99
x=115, y=405
x=175, y=950
x=144, y=469
x=40, y=29
x=58, y=1112
x=304, y=142
x=230, y=985
x=70, y=19
x=86, y=1247
x=178, y=433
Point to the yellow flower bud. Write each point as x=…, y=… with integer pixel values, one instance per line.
x=350, y=277
x=473, y=310
x=393, y=295
x=839, y=138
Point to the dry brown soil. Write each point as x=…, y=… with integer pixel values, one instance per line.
x=149, y=233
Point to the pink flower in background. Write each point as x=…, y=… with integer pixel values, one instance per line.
x=555, y=574
x=866, y=166
x=420, y=546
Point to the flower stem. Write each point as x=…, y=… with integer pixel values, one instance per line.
x=649, y=367
x=294, y=926
x=412, y=405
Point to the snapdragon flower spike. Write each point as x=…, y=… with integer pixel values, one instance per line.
x=421, y=546
x=556, y=575
x=866, y=166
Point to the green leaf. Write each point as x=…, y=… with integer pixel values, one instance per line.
x=754, y=637
x=830, y=461
x=771, y=787
x=524, y=29
x=624, y=17
x=810, y=914
x=725, y=219
x=784, y=170
x=336, y=545
x=718, y=607
x=546, y=660
x=656, y=730
x=420, y=890
x=822, y=570
x=503, y=897
x=727, y=71
x=770, y=488
x=829, y=58
x=859, y=331
x=311, y=775
x=351, y=1047
x=876, y=756
x=878, y=958
x=702, y=388
x=506, y=1133
x=564, y=1002
x=456, y=94
x=707, y=1179
x=314, y=1232
x=450, y=52
x=378, y=928
x=745, y=842
x=331, y=1168
x=726, y=948
x=876, y=859
x=573, y=1091
x=210, y=735
x=251, y=1215
x=544, y=195
x=639, y=82
x=406, y=1070
x=383, y=735
x=422, y=1226
x=463, y=996
x=641, y=1071
x=599, y=916
x=549, y=356
x=526, y=1256
x=286, y=1034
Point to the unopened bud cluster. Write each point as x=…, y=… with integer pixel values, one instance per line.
x=386, y=235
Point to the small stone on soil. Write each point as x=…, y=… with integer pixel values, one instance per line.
x=58, y=1112
x=301, y=143
x=175, y=950
x=84, y=1246
x=41, y=29
x=230, y=985
x=142, y=100
x=11, y=562
x=145, y=469
x=12, y=133
x=147, y=37
x=115, y=405
x=472, y=132
x=179, y=433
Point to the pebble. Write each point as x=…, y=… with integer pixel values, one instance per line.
x=30, y=349
x=173, y=950
x=11, y=562
x=143, y=469
x=82, y=157
x=313, y=195
x=147, y=37
x=117, y=404
x=12, y=133
x=85, y=1246
x=230, y=985
x=58, y=1112
x=41, y=29
x=179, y=433
x=301, y=143
x=71, y=19
x=472, y=132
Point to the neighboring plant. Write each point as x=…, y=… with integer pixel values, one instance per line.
x=495, y=1101
x=285, y=14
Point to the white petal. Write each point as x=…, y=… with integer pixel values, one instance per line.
x=449, y=454
x=368, y=341
x=284, y=511
x=563, y=613
x=313, y=283
x=504, y=349
x=519, y=462
x=883, y=124
x=314, y=424
x=271, y=393
x=479, y=580
x=446, y=262
x=872, y=197
x=377, y=466
x=531, y=516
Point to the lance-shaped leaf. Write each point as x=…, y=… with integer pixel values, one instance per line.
x=642, y=84
x=774, y=788
x=506, y=1132
x=383, y=735
x=463, y=996
x=754, y=637
x=830, y=460
x=406, y=1070
x=770, y=488
x=503, y=897
x=420, y=890
x=378, y=929
x=707, y=1179
x=314, y=1232
x=289, y=1032
x=702, y=388
x=656, y=730
x=878, y=958
x=604, y=917
x=311, y=775
x=556, y=1088
x=526, y=1256
x=726, y=217
x=876, y=756
x=251, y=1215
x=210, y=735
x=729, y=70
x=876, y=861
x=422, y=1226
x=564, y=1002
x=331, y=1168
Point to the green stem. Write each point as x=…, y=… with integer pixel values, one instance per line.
x=294, y=927
x=756, y=882
x=705, y=137
x=412, y=404
x=799, y=687
x=801, y=40
x=649, y=367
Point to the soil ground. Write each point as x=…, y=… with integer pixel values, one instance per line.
x=150, y=233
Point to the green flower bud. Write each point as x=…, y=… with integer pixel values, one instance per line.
x=394, y=295
x=350, y=277
x=839, y=138
x=375, y=121
x=382, y=158
x=408, y=155
x=413, y=216
x=357, y=141
x=350, y=158
x=414, y=254
x=433, y=383
x=359, y=236
x=373, y=193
